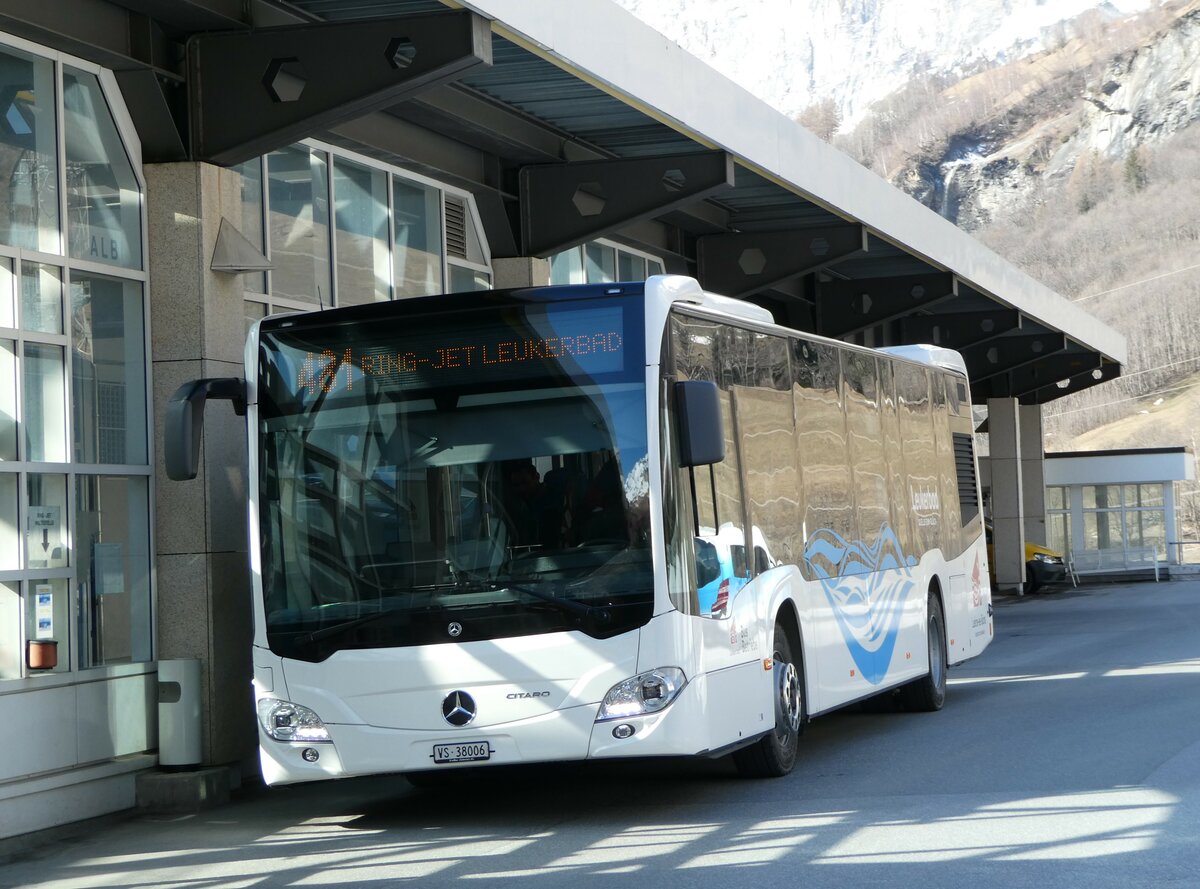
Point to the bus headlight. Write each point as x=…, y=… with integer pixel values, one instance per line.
x=285, y=721
x=643, y=694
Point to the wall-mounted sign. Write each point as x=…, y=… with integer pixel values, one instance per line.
x=48, y=521
x=43, y=610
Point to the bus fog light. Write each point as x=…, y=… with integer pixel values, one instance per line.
x=643, y=694
x=623, y=731
x=310, y=754
x=285, y=721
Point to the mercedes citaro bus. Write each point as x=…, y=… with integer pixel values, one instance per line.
x=480, y=525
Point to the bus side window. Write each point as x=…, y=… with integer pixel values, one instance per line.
x=822, y=449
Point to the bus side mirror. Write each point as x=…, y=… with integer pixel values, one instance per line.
x=184, y=421
x=698, y=408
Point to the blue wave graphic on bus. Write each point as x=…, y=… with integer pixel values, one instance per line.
x=866, y=586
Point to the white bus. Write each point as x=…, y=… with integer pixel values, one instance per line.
x=591, y=522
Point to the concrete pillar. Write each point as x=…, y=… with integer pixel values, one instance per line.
x=520, y=271
x=1171, y=523
x=1008, y=526
x=198, y=329
x=1033, y=472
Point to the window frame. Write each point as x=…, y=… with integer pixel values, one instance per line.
x=24, y=577
x=277, y=305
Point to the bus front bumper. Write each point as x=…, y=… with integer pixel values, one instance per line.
x=569, y=734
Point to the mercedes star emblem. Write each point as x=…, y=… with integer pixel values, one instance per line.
x=458, y=708
x=455, y=629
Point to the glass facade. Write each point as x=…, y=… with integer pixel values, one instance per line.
x=252, y=217
x=361, y=214
x=298, y=225
x=1125, y=517
x=104, y=199
x=29, y=204
x=599, y=262
x=417, y=218
x=341, y=229
x=1058, y=518
x=74, y=454
x=108, y=386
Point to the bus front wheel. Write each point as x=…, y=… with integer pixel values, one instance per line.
x=774, y=754
x=929, y=692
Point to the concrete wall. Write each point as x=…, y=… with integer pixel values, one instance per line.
x=198, y=330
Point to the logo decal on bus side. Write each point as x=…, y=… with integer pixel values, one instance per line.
x=866, y=586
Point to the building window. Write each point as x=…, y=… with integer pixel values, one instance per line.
x=464, y=280
x=8, y=403
x=114, y=574
x=251, y=225
x=104, y=199
x=361, y=216
x=298, y=193
x=418, y=254
x=28, y=153
x=391, y=236
x=45, y=404
x=601, y=262
x=72, y=376
x=41, y=297
x=1058, y=518
x=108, y=391
x=1124, y=517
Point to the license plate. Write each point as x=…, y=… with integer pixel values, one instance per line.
x=474, y=751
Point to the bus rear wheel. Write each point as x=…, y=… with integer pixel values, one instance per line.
x=929, y=692
x=774, y=754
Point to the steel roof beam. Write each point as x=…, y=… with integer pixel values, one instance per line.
x=1051, y=371
x=959, y=330
x=1048, y=370
x=1008, y=353
x=563, y=205
x=254, y=91
x=96, y=30
x=847, y=307
x=740, y=264
x=188, y=16
x=1108, y=370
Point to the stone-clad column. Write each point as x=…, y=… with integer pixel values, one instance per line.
x=1008, y=526
x=520, y=271
x=1033, y=473
x=198, y=330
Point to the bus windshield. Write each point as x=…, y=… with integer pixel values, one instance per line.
x=454, y=476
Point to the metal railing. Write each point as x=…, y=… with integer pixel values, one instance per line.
x=1183, y=555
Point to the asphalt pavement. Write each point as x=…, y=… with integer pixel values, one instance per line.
x=1068, y=755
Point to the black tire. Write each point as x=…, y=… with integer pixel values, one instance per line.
x=774, y=754
x=928, y=693
x=1032, y=585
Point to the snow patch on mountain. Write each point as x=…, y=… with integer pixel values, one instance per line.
x=793, y=53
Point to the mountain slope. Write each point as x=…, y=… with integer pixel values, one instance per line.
x=995, y=143
x=795, y=53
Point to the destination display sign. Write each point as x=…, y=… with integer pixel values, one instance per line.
x=436, y=352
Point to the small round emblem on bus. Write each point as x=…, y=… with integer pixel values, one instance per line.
x=455, y=629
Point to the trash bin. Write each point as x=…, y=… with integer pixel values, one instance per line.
x=179, y=721
x=41, y=654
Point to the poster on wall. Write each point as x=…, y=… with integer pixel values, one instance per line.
x=43, y=610
x=110, y=568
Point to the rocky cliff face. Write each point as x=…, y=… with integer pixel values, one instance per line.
x=1052, y=133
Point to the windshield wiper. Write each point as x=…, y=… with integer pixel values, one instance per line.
x=345, y=626
x=597, y=617
x=589, y=615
